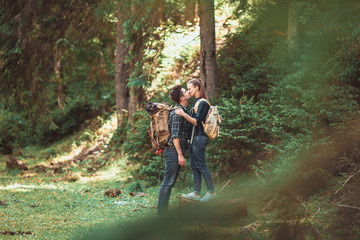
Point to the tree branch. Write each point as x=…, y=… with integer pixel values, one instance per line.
x=347, y=206
x=351, y=176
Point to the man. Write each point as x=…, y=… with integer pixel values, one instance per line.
x=176, y=147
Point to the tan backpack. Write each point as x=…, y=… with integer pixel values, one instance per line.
x=159, y=125
x=212, y=121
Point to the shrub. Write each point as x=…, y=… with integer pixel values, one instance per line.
x=139, y=150
x=245, y=136
x=15, y=131
x=135, y=186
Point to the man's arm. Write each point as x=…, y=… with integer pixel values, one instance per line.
x=200, y=114
x=181, y=112
x=181, y=158
x=175, y=135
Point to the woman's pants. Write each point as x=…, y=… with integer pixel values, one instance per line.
x=198, y=164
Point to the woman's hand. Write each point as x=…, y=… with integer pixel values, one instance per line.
x=180, y=112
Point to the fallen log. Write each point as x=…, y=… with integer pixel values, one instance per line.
x=214, y=210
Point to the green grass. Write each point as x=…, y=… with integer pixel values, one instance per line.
x=71, y=203
x=67, y=208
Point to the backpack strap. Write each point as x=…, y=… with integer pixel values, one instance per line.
x=197, y=104
x=195, y=110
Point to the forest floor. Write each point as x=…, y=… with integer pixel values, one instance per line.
x=43, y=206
x=78, y=186
x=74, y=187
x=62, y=194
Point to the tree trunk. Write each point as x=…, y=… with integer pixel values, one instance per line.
x=208, y=71
x=293, y=27
x=121, y=71
x=189, y=14
x=57, y=71
x=158, y=13
x=133, y=102
x=135, y=90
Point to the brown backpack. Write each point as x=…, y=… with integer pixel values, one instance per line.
x=212, y=121
x=159, y=125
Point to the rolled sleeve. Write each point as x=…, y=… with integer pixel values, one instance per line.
x=175, y=126
x=178, y=128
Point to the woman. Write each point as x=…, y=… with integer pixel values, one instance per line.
x=199, y=141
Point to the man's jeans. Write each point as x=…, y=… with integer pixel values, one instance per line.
x=172, y=169
x=198, y=164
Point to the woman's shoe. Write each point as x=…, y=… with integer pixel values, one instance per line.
x=207, y=197
x=192, y=196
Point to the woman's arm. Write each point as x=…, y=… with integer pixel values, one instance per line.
x=186, y=116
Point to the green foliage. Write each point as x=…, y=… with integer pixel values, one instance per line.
x=135, y=186
x=138, y=144
x=153, y=172
x=118, y=138
x=15, y=131
x=241, y=67
x=32, y=89
x=246, y=131
x=297, y=97
x=139, y=150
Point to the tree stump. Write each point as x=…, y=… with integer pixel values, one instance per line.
x=14, y=163
x=215, y=210
x=113, y=192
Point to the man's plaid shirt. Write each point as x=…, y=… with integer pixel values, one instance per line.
x=178, y=127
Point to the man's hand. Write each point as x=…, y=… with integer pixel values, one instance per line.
x=181, y=160
x=180, y=112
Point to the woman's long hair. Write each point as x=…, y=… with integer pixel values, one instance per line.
x=200, y=84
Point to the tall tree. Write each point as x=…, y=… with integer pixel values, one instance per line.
x=208, y=68
x=190, y=11
x=58, y=75
x=157, y=17
x=133, y=101
x=293, y=36
x=136, y=67
x=121, y=67
x=142, y=38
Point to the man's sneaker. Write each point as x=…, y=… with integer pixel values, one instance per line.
x=208, y=196
x=191, y=196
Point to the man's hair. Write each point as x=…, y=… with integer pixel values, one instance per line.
x=176, y=93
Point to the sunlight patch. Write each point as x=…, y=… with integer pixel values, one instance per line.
x=114, y=172
x=109, y=126
x=22, y=187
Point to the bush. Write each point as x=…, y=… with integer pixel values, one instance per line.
x=153, y=171
x=245, y=135
x=138, y=144
x=139, y=150
x=15, y=131
x=135, y=186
